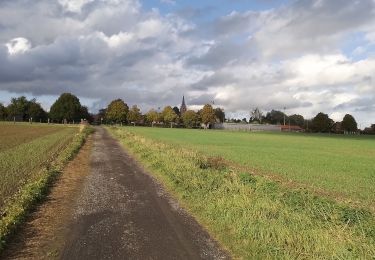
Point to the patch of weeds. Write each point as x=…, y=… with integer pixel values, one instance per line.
x=247, y=178
x=212, y=162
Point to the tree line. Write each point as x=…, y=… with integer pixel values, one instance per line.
x=68, y=109
x=321, y=123
x=118, y=112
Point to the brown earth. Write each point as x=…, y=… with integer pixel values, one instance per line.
x=43, y=235
x=117, y=211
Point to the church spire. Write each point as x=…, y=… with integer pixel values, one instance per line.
x=183, y=106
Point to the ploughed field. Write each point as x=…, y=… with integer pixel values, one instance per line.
x=269, y=195
x=24, y=150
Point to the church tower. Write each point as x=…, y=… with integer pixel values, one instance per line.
x=183, y=106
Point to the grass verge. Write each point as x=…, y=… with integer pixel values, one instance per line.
x=254, y=217
x=17, y=208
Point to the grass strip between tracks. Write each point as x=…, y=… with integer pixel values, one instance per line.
x=17, y=208
x=254, y=217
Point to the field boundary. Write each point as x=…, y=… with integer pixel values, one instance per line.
x=17, y=208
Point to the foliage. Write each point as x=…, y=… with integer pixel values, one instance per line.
x=66, y=107
x=322, y=123
x=3, y=112
x=117, y=111
x=208, y=115
x=349, y=124
x=276, y=117
x=219, y=114
x=297, y=120
x=22, y=109
x=169, y=115
x=36, y=112
x=190, y=119
x=153, y=116
x=252, y=215
x=134, y=114
x=177, y=111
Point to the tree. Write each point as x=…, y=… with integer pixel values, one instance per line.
x=321, y=123
x=297, y=120
x=66, y=107
x=169, y=116
x=36, y=112
x=117, y=111
x=134, y=114
x=152, y=116
x=3, y=112
x=219, y=114
x=190, y=119
x=208, y=115
x=349, y=124
x=256, y=116
x=177, y=111
x=19, y=109
x=276, y=117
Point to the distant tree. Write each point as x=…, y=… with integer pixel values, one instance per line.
x=134, y=114
x=36, y=112
x=152, y=117
x=219, y=114
x=321, y=123
x=19, y=109
x=117, y=111
x=190, y=119
x=100, y=117
x=256, y=116
x=85, y=115
x=276, y=117
x=297, y=120
x=349, y=124
x=244, y=120
x=208, y=115
x=169, y=116
x=3, y=112
x=66, y=107
x=177, y=111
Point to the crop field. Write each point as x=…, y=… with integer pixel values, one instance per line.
x=24, y=150
x=269, y=195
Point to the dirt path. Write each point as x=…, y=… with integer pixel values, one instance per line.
x=122, y=213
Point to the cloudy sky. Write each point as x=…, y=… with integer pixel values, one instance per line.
x=308, y=56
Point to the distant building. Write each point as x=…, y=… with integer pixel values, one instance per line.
x=183, y=108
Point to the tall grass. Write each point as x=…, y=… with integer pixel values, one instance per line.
x=252, y=216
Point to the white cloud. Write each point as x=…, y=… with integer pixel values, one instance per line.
x=18, y=45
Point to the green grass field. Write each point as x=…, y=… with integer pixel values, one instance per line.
x=342, y=166
x=25, y=149
x=269, y=195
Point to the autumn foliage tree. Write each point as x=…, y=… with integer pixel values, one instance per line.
x=208, y=115
x=152, y=116
x=117, y=111
x=190, y=119
x=134, y=114
x=169, y=115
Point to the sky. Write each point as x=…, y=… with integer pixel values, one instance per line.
x=307, y=56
